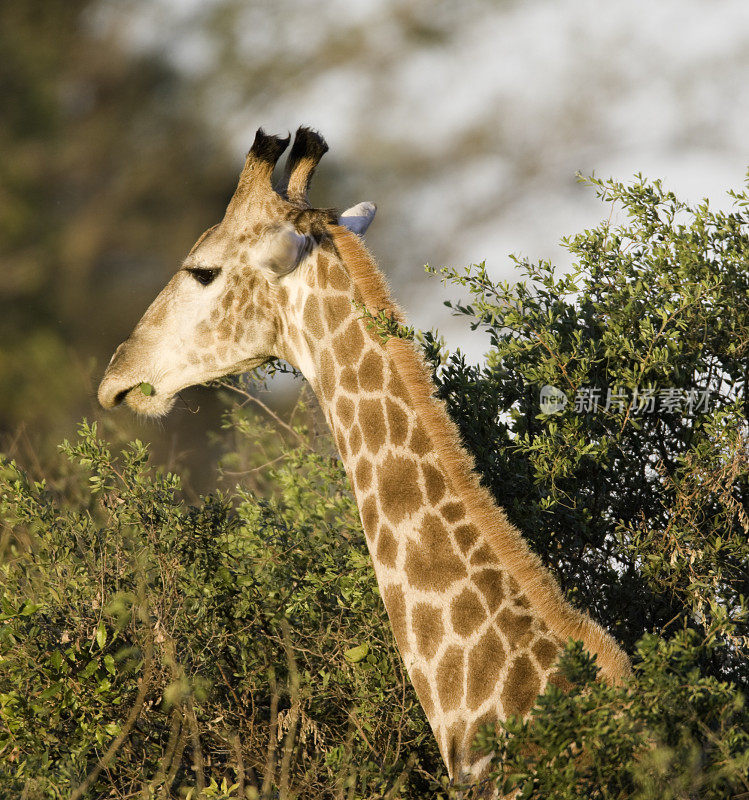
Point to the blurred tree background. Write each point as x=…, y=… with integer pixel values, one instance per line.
x=107, y=174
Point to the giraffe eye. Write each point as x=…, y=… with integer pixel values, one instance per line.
x=204, y=275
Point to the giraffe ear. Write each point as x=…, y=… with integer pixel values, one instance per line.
x=358, y=218
x=280, y=249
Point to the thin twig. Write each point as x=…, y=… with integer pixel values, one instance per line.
x=256, y=469
x=269, y=411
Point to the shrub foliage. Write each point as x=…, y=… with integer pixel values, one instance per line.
x=236, y=646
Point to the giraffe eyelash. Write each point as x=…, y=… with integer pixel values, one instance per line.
x=204, y=275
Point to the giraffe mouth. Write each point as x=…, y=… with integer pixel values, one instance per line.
x=118, y=388
x=124, y=395
x=142, y=397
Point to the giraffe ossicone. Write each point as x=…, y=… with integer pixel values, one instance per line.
x=478, y=620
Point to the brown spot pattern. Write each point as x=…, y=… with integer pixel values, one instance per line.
x=338, y=278
x=485, y=662
x=434, y=482
x=453, y=512
x=467, y=612
x=369, y=516
x=484, y=555
x=450, y=678
x=345, y=410
x=322, y=272
x=465, y=536
x=349, y=344
x=521, y=688
x=372, y=423
x=363, y=474
x=355, y=440
x=396, y=608
x=312, y=319
x=341, y=442
x=387, y=547
x=431, y=563
x=420, y=443
x=397, y=389
x=370, y=372
x=489, y=581
x=427, y=626
x=545, y=652
x=397, y=422
x=398, y=487
x=224, y=329
x=349, y=380
x=453, y=742
x=514, y=626
x=327, y=375
x=336, y=310
x=423, y=690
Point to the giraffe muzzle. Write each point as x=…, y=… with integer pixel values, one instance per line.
x=112, y=392
x=125, y=382
x=140, y=396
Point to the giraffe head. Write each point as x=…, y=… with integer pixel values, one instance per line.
x=226, y=310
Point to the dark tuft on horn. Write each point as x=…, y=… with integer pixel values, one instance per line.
x=268, y=148
x=307, y=143
x=255, y=178
x=308, y=148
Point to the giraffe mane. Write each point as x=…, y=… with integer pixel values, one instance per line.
x=532, y=577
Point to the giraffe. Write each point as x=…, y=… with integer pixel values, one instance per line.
x=478, y=620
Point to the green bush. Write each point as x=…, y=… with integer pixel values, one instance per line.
x=641, y=514
x=235, y=643
x=237, y=646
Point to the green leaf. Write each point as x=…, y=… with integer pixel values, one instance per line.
x=356, y=654
x=101, y=635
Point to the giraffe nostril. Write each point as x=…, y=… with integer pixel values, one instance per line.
x=120, y=396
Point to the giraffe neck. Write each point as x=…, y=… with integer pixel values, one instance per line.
x=478, y=621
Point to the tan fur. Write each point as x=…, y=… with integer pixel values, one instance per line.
x=535, y=581
x=201, y=238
